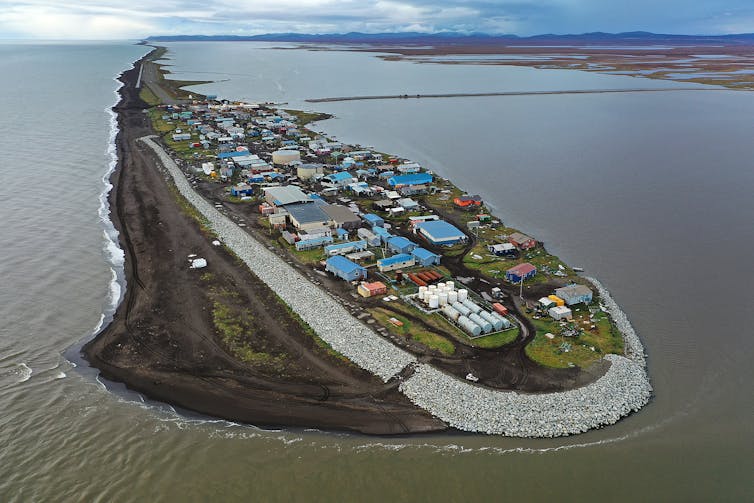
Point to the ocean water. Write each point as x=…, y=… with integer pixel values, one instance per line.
x=650, y=193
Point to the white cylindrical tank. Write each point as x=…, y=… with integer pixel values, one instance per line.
x=441, y=285
x=285, y=157
x=434, y=301
x=432, y=288
x=422, y=292
x=469, y=326
x=461, y=308
x=451, y=313
x=505, y=321
x=463, y=294
x=486, y=325
x=450, y=285
x=496, y=323
x=443, y=298
x=452, y=296
x=471, y=305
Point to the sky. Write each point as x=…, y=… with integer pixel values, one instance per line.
x=116, y=19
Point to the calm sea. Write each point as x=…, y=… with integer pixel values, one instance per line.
x=651, y=193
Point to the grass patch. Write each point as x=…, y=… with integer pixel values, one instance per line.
x=148, y=97
x=420, y=335
x=303, y=118
x=497, y=340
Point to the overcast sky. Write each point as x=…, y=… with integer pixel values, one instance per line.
x=114, y=19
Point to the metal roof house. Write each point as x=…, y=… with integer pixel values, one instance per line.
x=284, y=195
x=575, y=294
x=341, y=216
x=503, y=249
x=308, y=217
x=399, y=244
x=395, y=262
x=408, y=204
x=310, y=243
x=345, y=248
x=520, y=273
x=339, y=179
x=382, y=233
x=425, y=257
x=373, y=220
x=370, y=237
x=440, y=232
x=345, y=269
x=522, y=241
x=412, y=179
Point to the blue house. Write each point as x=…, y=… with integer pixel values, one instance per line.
x=345, y=269
x=412, y=179
x=339, y=179
x=230, y=155
x=439, y=232
x=341, y=234
x=520, y=273
x=312, y=243
x=373, y=220
x=425, y=257
x=383, y=234
x=399, y=244
x=395, y=262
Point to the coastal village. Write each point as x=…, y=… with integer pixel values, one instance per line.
x=424, y=262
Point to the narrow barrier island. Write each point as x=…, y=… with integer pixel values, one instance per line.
x=376, y=267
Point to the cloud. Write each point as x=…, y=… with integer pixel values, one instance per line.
x=112, y=19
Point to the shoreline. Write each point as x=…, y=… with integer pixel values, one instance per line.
x=422, y=375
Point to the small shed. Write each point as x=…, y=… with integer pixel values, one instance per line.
x=520, y=273
x=560, y=313
x=345, y=269
x=425, y=257
x=546, y=302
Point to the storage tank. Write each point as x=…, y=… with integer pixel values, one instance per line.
x=452, y=297
x=440, y=285
x=307, y=171
x=432, y=288
x=495, y=322
x=285, y=157
x=434, y=301
x=451, y=313
x=422, y=292
x=443, y=298
x=450, y=285
x=461, y=308
x=473, y=307
x=469, y=326
x=486, y=325
x=463, y=294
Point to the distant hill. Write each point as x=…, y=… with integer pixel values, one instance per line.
x=595, y=38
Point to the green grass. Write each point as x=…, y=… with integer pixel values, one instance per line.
x=497, y=340
x=420, y=335
x=303, y=118
x=235, y=327
x=149, y=97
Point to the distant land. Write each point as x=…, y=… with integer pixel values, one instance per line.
x=634, y=37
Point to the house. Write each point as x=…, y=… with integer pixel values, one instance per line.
x=382, y=233
x=383, y=205
x=520, y=273
x=345, y=248
x=341, y=179
x=373, y=220
x=341, y=234
x=371, y=238
x=408, y=168
x=361, y=189
x=345, y=269
x=241, y=189
x=560, y=312
x=468, y=202
x=308, y=217
x=503, y=250
x=372, y=289
x=413, y=190
x=522, y=241
x=285, y=195
x=181, y=136
x=575, y=294
x=425, y=257
x=399, y=244
x=360, y=256
x=340, y=216
x=312, y=242
x=440, y=232
x=411, y=179
x=395, y=262
x=278, y=220
x=408, y=204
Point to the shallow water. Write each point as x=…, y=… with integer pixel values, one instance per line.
x=650, y=193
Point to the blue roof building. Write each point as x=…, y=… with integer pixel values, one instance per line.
x=229, y=155
x=373, y=220
x=312, y=243
x=340, y=179
x=382, y=233
x=425, y=257
x=399, y=244
x=440, y=232
x=345, y=269
x=395, y=262
x=412, y=179
x=341, y=233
